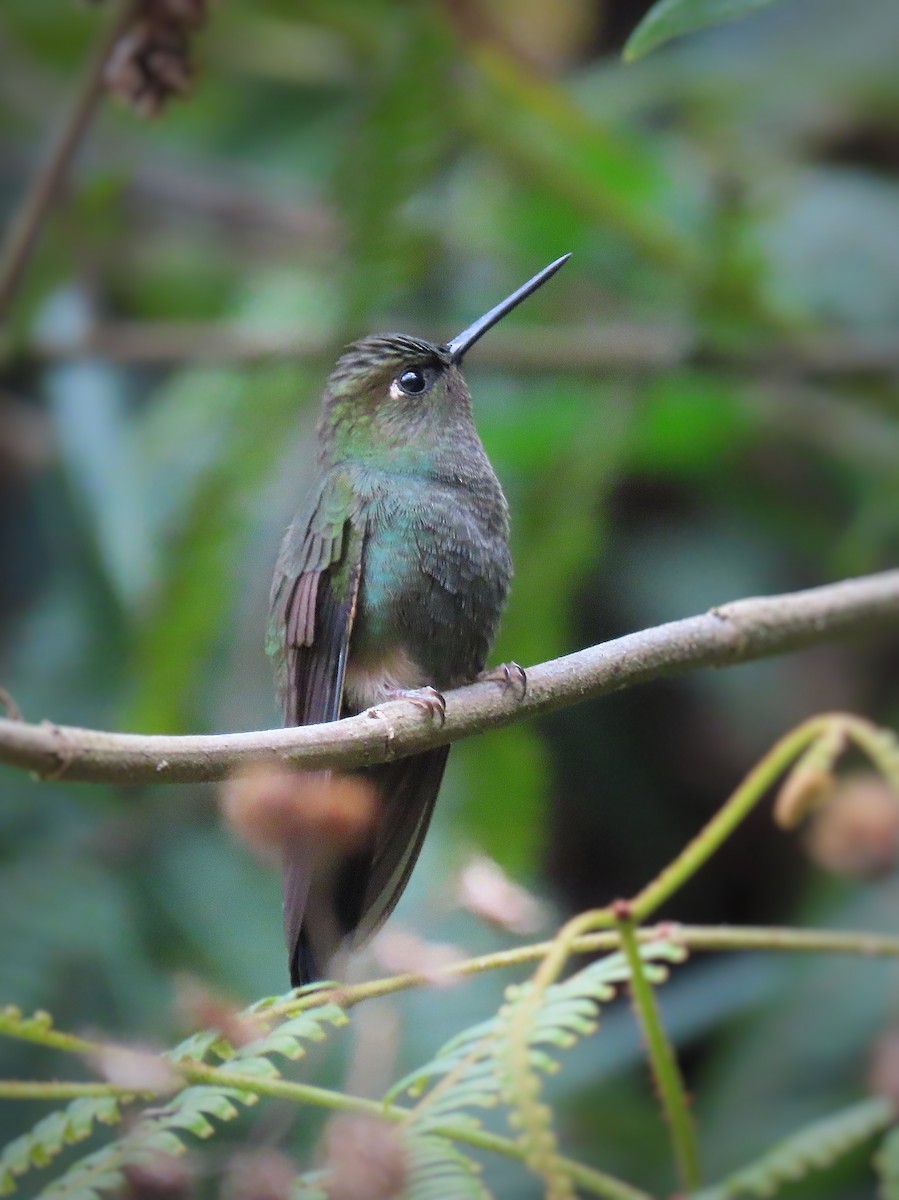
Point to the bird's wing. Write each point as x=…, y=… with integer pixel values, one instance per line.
x=314, y=596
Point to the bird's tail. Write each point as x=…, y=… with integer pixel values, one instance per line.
x=351, y=895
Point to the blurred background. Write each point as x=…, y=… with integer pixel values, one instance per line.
x=702, y=406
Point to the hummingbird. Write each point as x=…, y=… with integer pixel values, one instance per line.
x=390, y=584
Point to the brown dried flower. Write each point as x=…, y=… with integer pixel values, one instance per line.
x=259, y=1175
x=205, y=1009
x=366, y=1159
x=135, y=1068
x=400, y=952
x=486, y=891
x=856, y=832
x=272, y=809
x=883, y=1072
x=152, y=61
x=161, y=1177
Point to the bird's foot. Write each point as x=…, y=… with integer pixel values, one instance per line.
x=510, y=677
x=427, y=698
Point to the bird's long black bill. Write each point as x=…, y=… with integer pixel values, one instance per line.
x=463, y=342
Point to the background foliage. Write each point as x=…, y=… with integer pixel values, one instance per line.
x=702, y=406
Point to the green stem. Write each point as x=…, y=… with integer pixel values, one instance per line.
x=694, y=937
x=880, y=745
x=18, y=1089
x=596, y=1182
x=38, y=1029
x=662, y=1062
x=727, y=819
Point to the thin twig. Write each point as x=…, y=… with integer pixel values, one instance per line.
x=735, y=633
x=38, y=200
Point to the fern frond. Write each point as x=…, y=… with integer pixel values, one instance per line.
x=568, y=1011
x=501, y=1061
x=286, y=1038
x=437, y=1170
x=30, y=1029
x=159, y=1131
x=52, y=1134
x=289, y=1039
x=519, y=1078
x=813, y=1148
x=191, y=1111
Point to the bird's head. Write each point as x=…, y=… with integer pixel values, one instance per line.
x=401, y=396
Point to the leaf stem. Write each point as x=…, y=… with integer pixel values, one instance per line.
x=662, y=1060
x=58, y=1089
x=693, y=937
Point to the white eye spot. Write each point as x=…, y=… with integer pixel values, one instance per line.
x=395, y=390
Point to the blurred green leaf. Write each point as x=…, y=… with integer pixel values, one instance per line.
x=672, y=18
x=193, y=611
x=886, y=1162
x=552, y=145
x=397, y=145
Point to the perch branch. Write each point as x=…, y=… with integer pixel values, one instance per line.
x=733, y=633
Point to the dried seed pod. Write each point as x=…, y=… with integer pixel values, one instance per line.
x=883, y=1070
x=152, y=62
x=161, y=1177
x=206, y=1009
x=486, y=891
x=856, y=831
x=273, y=809
x=136, y=1068
x=400, y=953
x=259, y=1175
x=366, y=1159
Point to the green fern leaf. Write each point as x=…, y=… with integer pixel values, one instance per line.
x=194, y=1110
x=159, y=1132
x=813, y=1148
x=199, y=1046
x=437, y=1169
x=569, y=1011
x=51, y=1135
x=28, y=1028
x=288, y=1038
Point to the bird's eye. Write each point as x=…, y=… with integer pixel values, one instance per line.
x=412, y=382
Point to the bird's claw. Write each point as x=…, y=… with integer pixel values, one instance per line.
x=427, y=698
x=510, y=676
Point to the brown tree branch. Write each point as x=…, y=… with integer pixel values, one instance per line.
x=734, y=633
x=38, y=199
